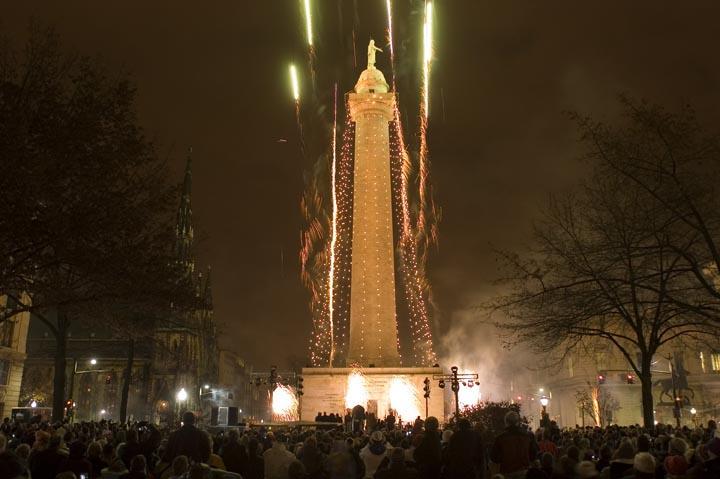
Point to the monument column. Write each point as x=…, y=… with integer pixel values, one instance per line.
x=373, y=322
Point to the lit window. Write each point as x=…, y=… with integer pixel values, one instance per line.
x=4, y=371
x=6, y=333
x=702, y=362
x=715, y=361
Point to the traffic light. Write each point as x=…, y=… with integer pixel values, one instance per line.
x=426, y=388
x=300, y=386
x=630, y=379
x=601, y=379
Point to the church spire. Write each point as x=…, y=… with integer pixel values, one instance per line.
x=184, y=231
x=207, y=294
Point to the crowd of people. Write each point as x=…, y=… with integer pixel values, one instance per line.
x=420, y=450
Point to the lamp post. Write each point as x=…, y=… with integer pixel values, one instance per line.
x=544, y=417
x=181, y=397
x=693, y=413
x=455, y=379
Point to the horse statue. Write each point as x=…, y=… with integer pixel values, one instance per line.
x=679, y=380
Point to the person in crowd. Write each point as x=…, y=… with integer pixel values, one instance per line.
x=46, y=463
x=277, y=458
x=180, y=466
x=131, y=448
x=374, y=452
x=11, y=467
x=22, y=451
x=622, y=461
x=513, y=449
x=644, y=466
x=138, y=468
x=188, y=441
x=312, y=459
x=708, y=465
x=255, y=468
x=464, y=456
x=95, y=456
x=396, y=467
x=428, y=454
x=116, y=467
x=77, y=462
x=546, y=444
x=233, y=453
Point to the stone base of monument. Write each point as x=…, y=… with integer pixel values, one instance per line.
x=326, y=390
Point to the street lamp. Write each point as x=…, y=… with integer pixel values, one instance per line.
x=544, y=418
x=93, y=361
x=34, y=404
x=181, y=395
x=207, y=386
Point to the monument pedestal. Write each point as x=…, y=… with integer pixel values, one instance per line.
x=326, y=389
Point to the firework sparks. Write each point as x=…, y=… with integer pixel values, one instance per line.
x=427, y=56
x=294, y=83
x=284, y=404
x=357, y=390
x=308, y=23
x=404, y=398
x=333, y=238
x=469, y=395
x=390, y=31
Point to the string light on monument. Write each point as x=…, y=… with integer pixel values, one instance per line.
x=420, y=326
x=343, y=237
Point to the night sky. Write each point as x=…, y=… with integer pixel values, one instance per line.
x=213, y=75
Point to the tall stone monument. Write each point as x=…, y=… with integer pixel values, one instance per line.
x=373, y=333
x=373, y=322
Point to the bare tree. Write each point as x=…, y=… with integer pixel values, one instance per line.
x=671, y=161
x=602, y=269
x=85, y=216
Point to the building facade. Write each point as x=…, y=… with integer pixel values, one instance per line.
x=13, y=335
x=604, y=376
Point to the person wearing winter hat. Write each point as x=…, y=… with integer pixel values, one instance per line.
x=373, y=454
x=644, y=465
x=622, y=460
x=675, y=463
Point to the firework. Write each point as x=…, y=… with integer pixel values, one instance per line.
x=427, y=56
x=333, y=237
x=284, y=404
x=404, y=398
x=390, y=31
x=357, y=390
x=294, y=83
x=308, y=23
x=469, y=395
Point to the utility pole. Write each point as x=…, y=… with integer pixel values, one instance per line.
x=455, y=379
x=426, y=388
x=676, y=399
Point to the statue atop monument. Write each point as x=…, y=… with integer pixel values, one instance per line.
x=371, y=53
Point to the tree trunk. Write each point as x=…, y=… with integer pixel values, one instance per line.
x=59, y=398
x=127, y=377
x=647, y=396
